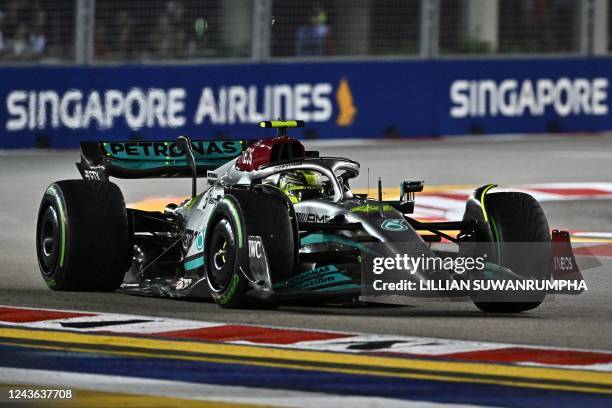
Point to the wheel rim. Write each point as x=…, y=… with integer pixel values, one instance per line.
x=49, y=240
x=219, y=258
x=222, y=257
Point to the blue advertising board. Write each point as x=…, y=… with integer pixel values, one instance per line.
x=337, y=100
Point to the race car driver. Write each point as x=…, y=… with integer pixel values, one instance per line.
x=301, y=185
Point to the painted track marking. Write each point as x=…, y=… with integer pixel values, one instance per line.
x=509, y=375
x=311, y=340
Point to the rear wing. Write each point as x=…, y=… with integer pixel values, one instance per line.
x=133, y=160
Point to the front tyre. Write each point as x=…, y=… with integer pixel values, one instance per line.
x=257, y=211
x=521, y=231
x=227, y=256
x=82, y=236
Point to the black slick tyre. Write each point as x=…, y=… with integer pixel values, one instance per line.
x=82, y=236
x=240, y=214
x=518, y=218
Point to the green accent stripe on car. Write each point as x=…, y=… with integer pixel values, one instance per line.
x=482, y=203
x=225, y=298
x=62, y=236
x=60, y=205
x=238, y=222
x=370, y=207
x=492, y=221
x=194, y=263
x=51, y=282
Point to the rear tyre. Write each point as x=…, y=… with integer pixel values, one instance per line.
x=82, y=236
x=519, y=218
x=242, y=213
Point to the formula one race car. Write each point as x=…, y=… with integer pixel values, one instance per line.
x=277, y=222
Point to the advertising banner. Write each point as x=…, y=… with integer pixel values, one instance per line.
x=63, y=105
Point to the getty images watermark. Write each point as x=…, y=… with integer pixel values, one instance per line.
x=523, y=268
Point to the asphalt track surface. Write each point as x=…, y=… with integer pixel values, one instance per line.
x=567, y=321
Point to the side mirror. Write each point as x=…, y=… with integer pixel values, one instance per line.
x=407, y=190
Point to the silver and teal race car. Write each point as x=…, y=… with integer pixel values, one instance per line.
x=276, y=222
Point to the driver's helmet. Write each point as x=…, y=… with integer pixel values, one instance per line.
x=300, y=185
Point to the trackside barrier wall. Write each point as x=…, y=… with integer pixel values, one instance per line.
x=64, y=105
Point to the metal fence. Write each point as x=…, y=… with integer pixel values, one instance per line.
x=511, y=26
x=37, y=30
x=345, y=28
x=106, y=31
x=171, y=29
